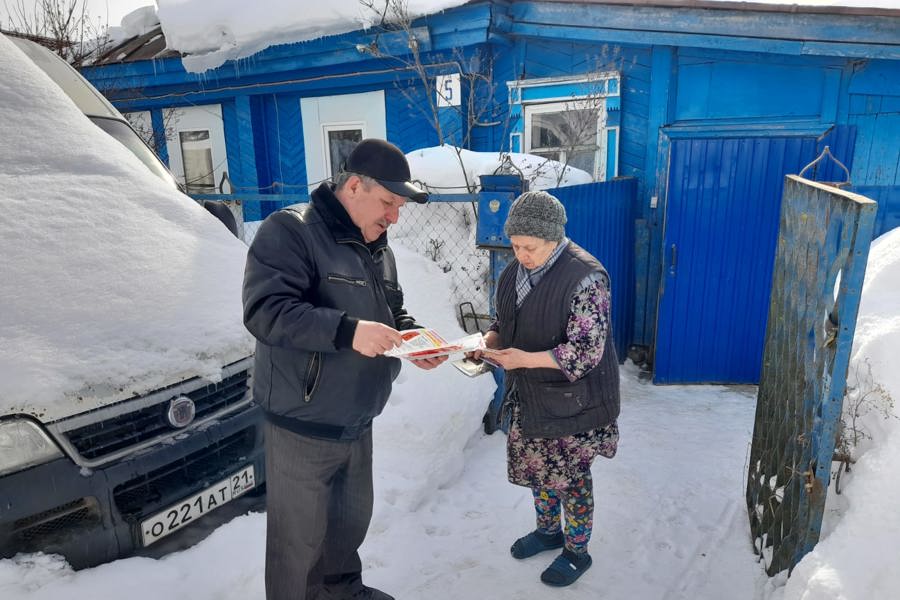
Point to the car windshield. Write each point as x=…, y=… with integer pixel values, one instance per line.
x=128, y=138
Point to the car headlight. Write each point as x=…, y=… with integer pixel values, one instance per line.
x=24, y=444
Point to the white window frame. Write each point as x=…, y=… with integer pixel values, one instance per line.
x=342, y=126
x=200, y=144
x=197, y=118
x=367, y=107
x=530, y=109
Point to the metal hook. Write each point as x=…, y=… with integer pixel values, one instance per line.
x=827, y=152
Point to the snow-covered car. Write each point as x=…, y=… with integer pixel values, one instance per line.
x=125, y=405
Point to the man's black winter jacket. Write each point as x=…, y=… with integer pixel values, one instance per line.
x=309, y=277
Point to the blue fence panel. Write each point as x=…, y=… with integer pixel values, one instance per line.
x=601, y=220
x=888, y=199
x=820, y=264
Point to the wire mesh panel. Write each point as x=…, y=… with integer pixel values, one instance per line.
x=823, y=245
x=442, y=231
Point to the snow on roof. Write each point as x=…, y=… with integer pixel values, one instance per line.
x=136, y=23
x=113, y=284
x=212, y=33
x=450, y=170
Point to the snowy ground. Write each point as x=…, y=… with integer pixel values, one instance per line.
x=670, y=521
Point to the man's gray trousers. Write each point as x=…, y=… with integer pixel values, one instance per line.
x=319, y=502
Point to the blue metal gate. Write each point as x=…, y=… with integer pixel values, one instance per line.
x=722, y=209
x=601, y=220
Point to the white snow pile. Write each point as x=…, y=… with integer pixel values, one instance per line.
x=112, y=283
x=858, y=557
x=214, y=32
x=446, y=169
x=431, y=414
x=134, y=24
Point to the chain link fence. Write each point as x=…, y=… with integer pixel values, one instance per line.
x=441, y=231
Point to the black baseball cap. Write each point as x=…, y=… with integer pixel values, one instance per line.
x=386, y=164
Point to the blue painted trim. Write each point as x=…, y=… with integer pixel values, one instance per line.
x=243, y=157
x=612, y=151
x=515, y=142
x=719, y=129
x=567, y=33
x=158, y=123
x=286, y=199
x=662, y=71
x=453, y=198
x=652, y=25
x=563, y=91
x=463, y=26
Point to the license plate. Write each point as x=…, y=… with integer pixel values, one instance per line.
x=178, y=515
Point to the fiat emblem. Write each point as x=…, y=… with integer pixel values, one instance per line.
x=181, y=412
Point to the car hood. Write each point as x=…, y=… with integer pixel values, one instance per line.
x=113, y=285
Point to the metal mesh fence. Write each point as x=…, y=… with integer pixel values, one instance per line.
x=443, y=232
x=819, y=267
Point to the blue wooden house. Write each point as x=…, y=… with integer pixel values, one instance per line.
x=707, y=105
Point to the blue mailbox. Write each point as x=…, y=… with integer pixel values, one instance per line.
x=497, y=194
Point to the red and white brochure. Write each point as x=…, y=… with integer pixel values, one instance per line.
x=428, y=343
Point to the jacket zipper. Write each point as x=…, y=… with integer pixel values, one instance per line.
x=314, y=363
x=371, y=268
x=350, y=280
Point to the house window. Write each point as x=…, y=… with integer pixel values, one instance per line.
x=567, y=132
x=196, y=156
x=339, y=142
x=573, y=120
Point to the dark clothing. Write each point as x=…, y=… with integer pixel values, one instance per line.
x=552, y=406
x=224, y=214
x=309, y=277
x=319, y=504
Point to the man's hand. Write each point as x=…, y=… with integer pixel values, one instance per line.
x=373, y=339
x=429, y=363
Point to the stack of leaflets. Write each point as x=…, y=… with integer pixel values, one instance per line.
x=427, y=343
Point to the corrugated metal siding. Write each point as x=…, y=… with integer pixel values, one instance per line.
x=722, y=216
x=601, y=220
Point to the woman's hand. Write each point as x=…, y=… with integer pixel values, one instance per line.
x=513, y=358
x=491, y=340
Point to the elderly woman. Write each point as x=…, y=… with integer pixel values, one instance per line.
x=554, y=338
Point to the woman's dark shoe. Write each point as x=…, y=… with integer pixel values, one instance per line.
x=566, y=568
x=535, y=543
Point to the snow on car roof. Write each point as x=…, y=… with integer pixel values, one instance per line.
x=112, y=284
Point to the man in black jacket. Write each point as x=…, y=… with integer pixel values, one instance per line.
x=322, y=299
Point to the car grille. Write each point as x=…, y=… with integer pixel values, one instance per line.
x=123, y=431
x=36, y=531
x=151, y=491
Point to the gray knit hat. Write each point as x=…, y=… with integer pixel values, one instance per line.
x=536, y=214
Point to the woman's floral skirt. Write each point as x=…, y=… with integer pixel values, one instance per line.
x=555, y=463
